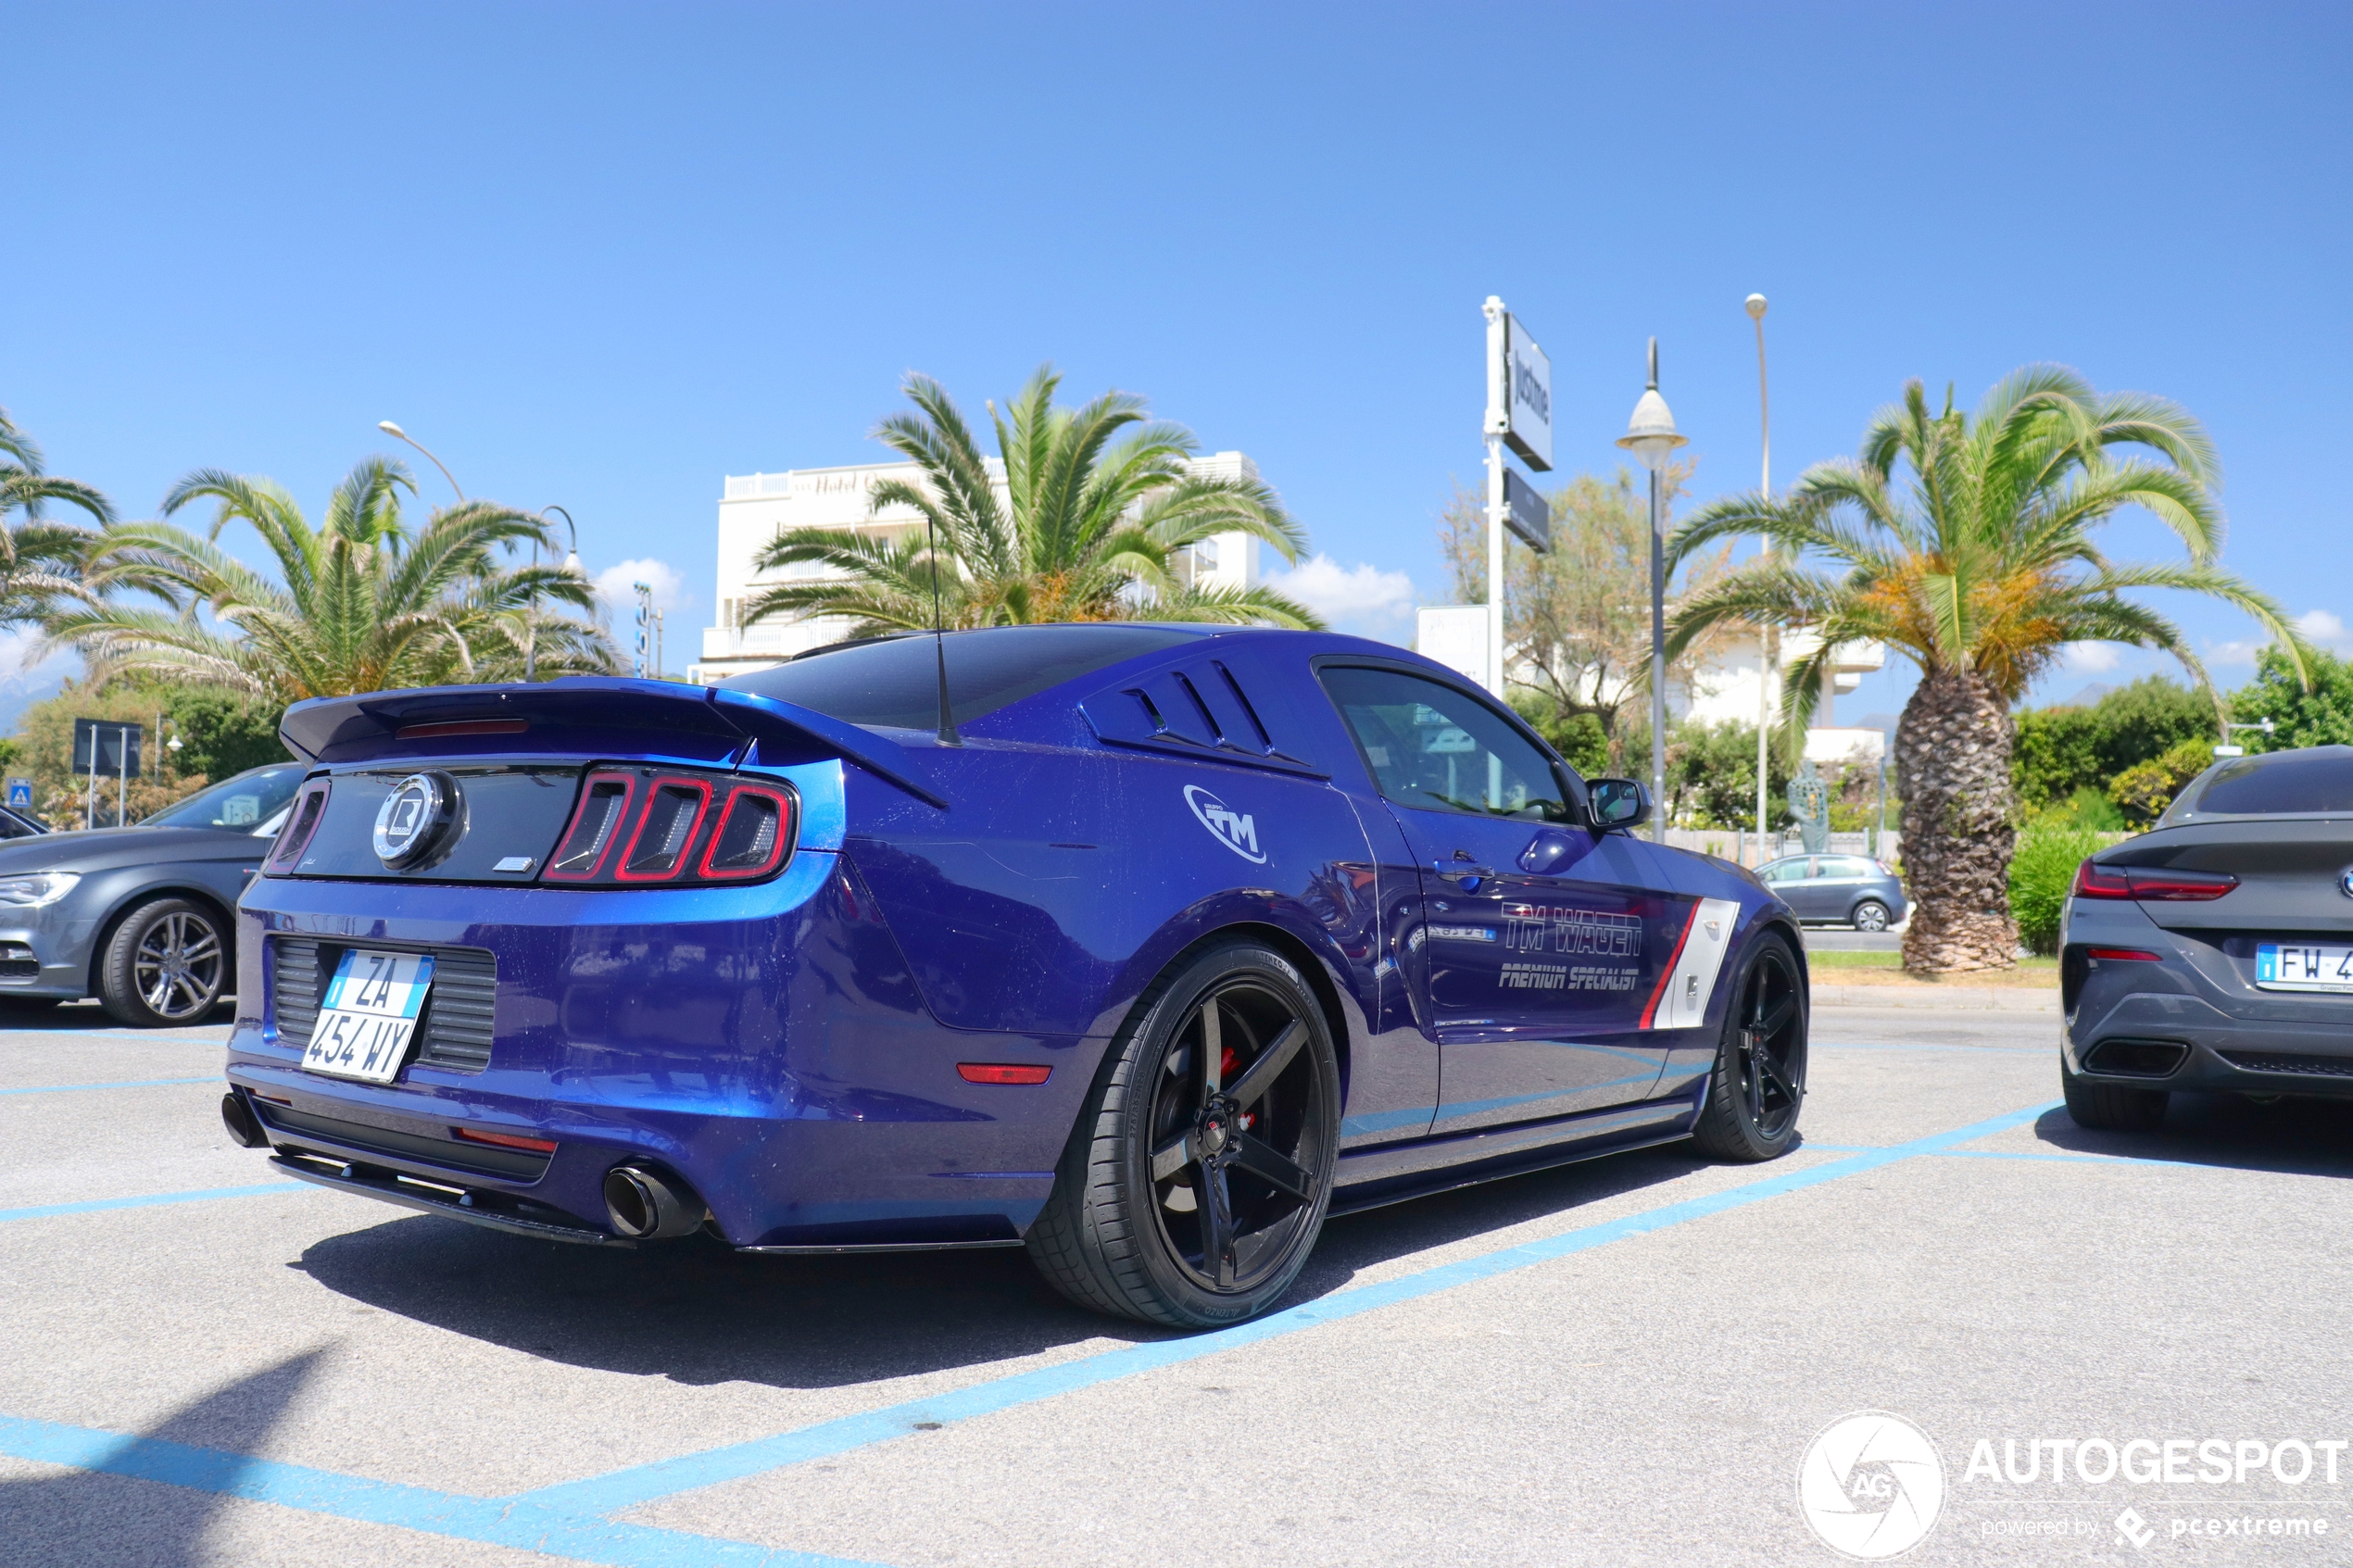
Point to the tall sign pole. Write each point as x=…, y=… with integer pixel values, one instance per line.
x=1768, y=642
x=1519, y=413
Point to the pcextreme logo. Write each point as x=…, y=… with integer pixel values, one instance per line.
x=1231, y=828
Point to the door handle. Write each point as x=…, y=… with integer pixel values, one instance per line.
x=1468, y=876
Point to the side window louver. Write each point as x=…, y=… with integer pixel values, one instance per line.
x=1199, y=707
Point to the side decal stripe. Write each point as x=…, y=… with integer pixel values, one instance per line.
x=1674, y=961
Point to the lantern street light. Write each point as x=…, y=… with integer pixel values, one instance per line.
x=1651, y=437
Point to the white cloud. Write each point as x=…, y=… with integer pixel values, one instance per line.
x=1360, y=598
x=2326, y=629
x=2094, y=658
x=2320, y=627
x=614, y=585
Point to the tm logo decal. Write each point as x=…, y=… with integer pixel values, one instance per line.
x=1235, y=831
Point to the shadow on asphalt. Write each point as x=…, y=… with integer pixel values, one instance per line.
x=94, y=1520
x=2293, y=1136
x=699, y=1313
x=75, y=1018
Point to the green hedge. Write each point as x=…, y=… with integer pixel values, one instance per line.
x=2040, y=872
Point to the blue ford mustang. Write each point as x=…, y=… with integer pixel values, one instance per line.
x=1145, y=947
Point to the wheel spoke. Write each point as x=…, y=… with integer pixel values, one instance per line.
x=202, y=947
x=1777, y=1017
x=1259, y=1076
x=1212, y=1049
x=1775, y=1075
x=1172, y=1156
x=1216, y=1226
x=1263, y=1161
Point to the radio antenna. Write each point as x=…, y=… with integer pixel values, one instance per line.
x=948, y=735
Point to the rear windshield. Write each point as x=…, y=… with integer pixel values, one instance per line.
x=2284, y=784
x=895, y=682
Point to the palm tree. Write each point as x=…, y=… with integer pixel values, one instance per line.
x=39, y=559
x=366, y=603
x=1978, y=565
x=1082, y=524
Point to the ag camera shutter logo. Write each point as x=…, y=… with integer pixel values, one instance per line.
x=1870, y=1486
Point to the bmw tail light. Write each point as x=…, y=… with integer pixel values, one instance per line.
x=2176, y=886
x=595, y=822
x=2095, y=881
x=637, y=827
x=301, y=822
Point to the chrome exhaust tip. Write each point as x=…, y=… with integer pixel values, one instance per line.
x=646, y=1206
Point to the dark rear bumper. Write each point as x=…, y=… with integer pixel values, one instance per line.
x=2221, y=1053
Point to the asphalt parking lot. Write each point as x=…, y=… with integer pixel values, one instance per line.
x=1617, y=1362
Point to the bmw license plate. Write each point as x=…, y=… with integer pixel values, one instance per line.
x=2279, y=966
x=369, y=1015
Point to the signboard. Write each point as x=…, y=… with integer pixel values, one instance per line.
x=1526, y=513
x=20, y=794
x=1519, y=391
x=104, y=748
x=1455, y=636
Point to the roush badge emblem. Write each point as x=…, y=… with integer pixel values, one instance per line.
x=2345, y=883
x=415, y=819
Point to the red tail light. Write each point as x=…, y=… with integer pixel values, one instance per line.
x=640, y=827
x=2134, y=954
x=301, y=822
x=2095, y=881
x=2195, y=886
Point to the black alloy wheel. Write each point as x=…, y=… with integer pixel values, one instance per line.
x=167, y=964
x=1758, y=1086
x=1197, y=1181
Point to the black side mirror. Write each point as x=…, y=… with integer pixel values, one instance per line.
x=1619, y=803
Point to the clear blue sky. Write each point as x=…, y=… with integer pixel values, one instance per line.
x=602, y=255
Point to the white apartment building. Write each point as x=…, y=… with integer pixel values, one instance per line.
x=1731, y=684
x=756, y=507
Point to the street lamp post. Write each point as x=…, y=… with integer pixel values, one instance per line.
x=1651, y=437
x=399, y=434
x=1767, y=641
x=572, y=563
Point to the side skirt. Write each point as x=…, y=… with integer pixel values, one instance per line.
x=1397, y=1173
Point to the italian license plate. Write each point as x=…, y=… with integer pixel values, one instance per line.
x=2280, y=966
x=369, y=1015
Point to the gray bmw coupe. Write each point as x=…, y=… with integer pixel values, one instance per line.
x=2215, y=951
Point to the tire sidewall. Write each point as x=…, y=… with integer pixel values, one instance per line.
x=1148, y=1052
x=1725, y=1110
x=118, y=983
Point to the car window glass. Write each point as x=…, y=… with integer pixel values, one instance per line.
x=1847, y=865
x=241, y=804
x=1431, y=745
x=894, y=681
x=2288, y=783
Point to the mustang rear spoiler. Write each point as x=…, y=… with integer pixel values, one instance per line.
x=598, y=716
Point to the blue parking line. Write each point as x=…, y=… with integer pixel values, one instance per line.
x=203, y=1195
x=641, y=1483
x=568, y=1520
x=124, y=1083
x=495, y=1520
